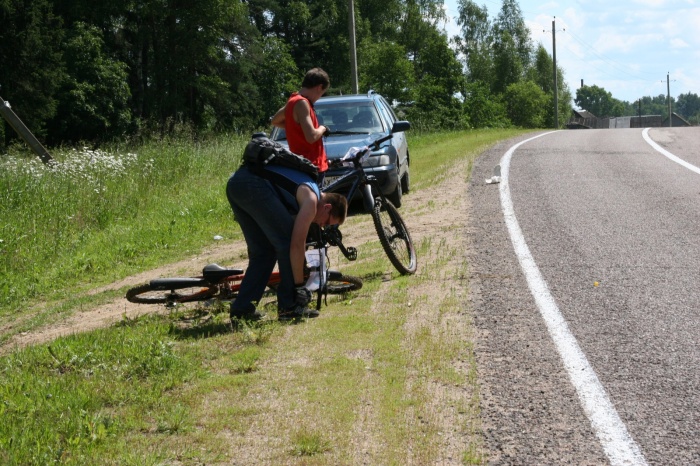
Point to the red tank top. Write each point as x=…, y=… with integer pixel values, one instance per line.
x=315, y=151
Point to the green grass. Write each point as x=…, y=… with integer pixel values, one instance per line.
x=68, y=400
x=433, y=153
x=187, y=388
x=98, y=216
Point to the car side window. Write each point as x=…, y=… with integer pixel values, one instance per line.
x=388, y=114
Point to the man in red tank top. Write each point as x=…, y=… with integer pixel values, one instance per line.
x=298, y=119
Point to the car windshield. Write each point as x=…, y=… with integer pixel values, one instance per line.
x=359, y=117
x=345, y=117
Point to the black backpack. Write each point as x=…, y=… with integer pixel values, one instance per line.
x=262, y=151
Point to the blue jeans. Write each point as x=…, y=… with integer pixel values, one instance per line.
x=267, y=227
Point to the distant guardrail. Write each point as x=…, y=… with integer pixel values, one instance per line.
x=645, y=121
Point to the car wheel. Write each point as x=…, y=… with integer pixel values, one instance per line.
x=406, y=182
x=395, y=197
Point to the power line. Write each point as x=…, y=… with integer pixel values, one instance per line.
x=645, y=83
x=614, y=63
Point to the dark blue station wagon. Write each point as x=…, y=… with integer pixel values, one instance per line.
x=355, y=121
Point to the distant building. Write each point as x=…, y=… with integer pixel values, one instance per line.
x=582, y=119
x=583, y=114
x=676, y=120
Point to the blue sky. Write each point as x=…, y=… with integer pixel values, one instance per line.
x=627, y=47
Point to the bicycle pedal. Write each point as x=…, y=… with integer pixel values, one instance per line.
x=352, y=253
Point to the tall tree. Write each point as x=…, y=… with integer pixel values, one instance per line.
x=598, y=101
x=383, y=17
x=507, y=68
x=93, y=102
x=688, y=105
x=510, y=20
x=475, y=43
x=376, y=58
x=30, y=53
x=439, y=82
x=418, y=26
x=190, y=62
x=541, y=73
x=512, y=46
x=277, y=76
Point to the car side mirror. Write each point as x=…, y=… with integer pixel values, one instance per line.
x=400, y=126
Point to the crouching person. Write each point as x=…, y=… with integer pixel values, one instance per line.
x=275, y=207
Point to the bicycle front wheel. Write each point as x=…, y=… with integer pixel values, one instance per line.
x=394, y=237
x=342, y=284
x=167, y=294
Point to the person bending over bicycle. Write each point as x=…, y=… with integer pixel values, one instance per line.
x=275, y=207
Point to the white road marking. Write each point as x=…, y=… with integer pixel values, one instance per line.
x=663, y=151
x=617, y=443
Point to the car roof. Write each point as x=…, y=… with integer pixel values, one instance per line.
x=349, y=97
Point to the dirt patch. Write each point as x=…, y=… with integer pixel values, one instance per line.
x=109, y=313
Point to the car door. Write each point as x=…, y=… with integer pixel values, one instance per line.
x=399, y=139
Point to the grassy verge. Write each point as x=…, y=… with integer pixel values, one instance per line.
x=100, y=215
x=385, y=376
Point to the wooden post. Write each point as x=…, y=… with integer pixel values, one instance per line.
x=353, y=50
x=668, y=93
x=24, y=132
x=556, y=91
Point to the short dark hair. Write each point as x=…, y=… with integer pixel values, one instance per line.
x=339, y=205
x=314, y=77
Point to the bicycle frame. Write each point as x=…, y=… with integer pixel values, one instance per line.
x=357, y=178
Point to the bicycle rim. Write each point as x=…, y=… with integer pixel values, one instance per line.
x=394, y=237
x=145, y=294
x=343, y=284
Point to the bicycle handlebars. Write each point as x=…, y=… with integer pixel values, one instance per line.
x=374, y=145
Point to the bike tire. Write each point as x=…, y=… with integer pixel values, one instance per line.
x=147, y=294
x=337, y=283
x=343, y=284
x=394, y=237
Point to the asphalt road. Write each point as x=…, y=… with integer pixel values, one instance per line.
x=612, y=227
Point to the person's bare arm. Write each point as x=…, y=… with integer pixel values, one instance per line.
x=307, y=201
x=278, y=119
x=302, y=114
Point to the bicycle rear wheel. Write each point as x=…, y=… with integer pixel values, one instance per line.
x=176, y=292
x=337, y=283
x=394, y=237
x=342, y=284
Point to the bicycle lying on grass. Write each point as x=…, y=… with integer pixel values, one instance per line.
x=223, y=284
x=392, y=231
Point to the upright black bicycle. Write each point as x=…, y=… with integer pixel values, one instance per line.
x=392, y=231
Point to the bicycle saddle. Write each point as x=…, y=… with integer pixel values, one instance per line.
x=215, y=273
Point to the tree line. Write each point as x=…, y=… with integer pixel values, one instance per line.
x=93, y=71
x=84, y=71
x=601, y=103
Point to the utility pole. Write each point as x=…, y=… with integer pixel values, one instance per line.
x=668, y=94
x=640, y=113
x=353, y=52
x=556, y=91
